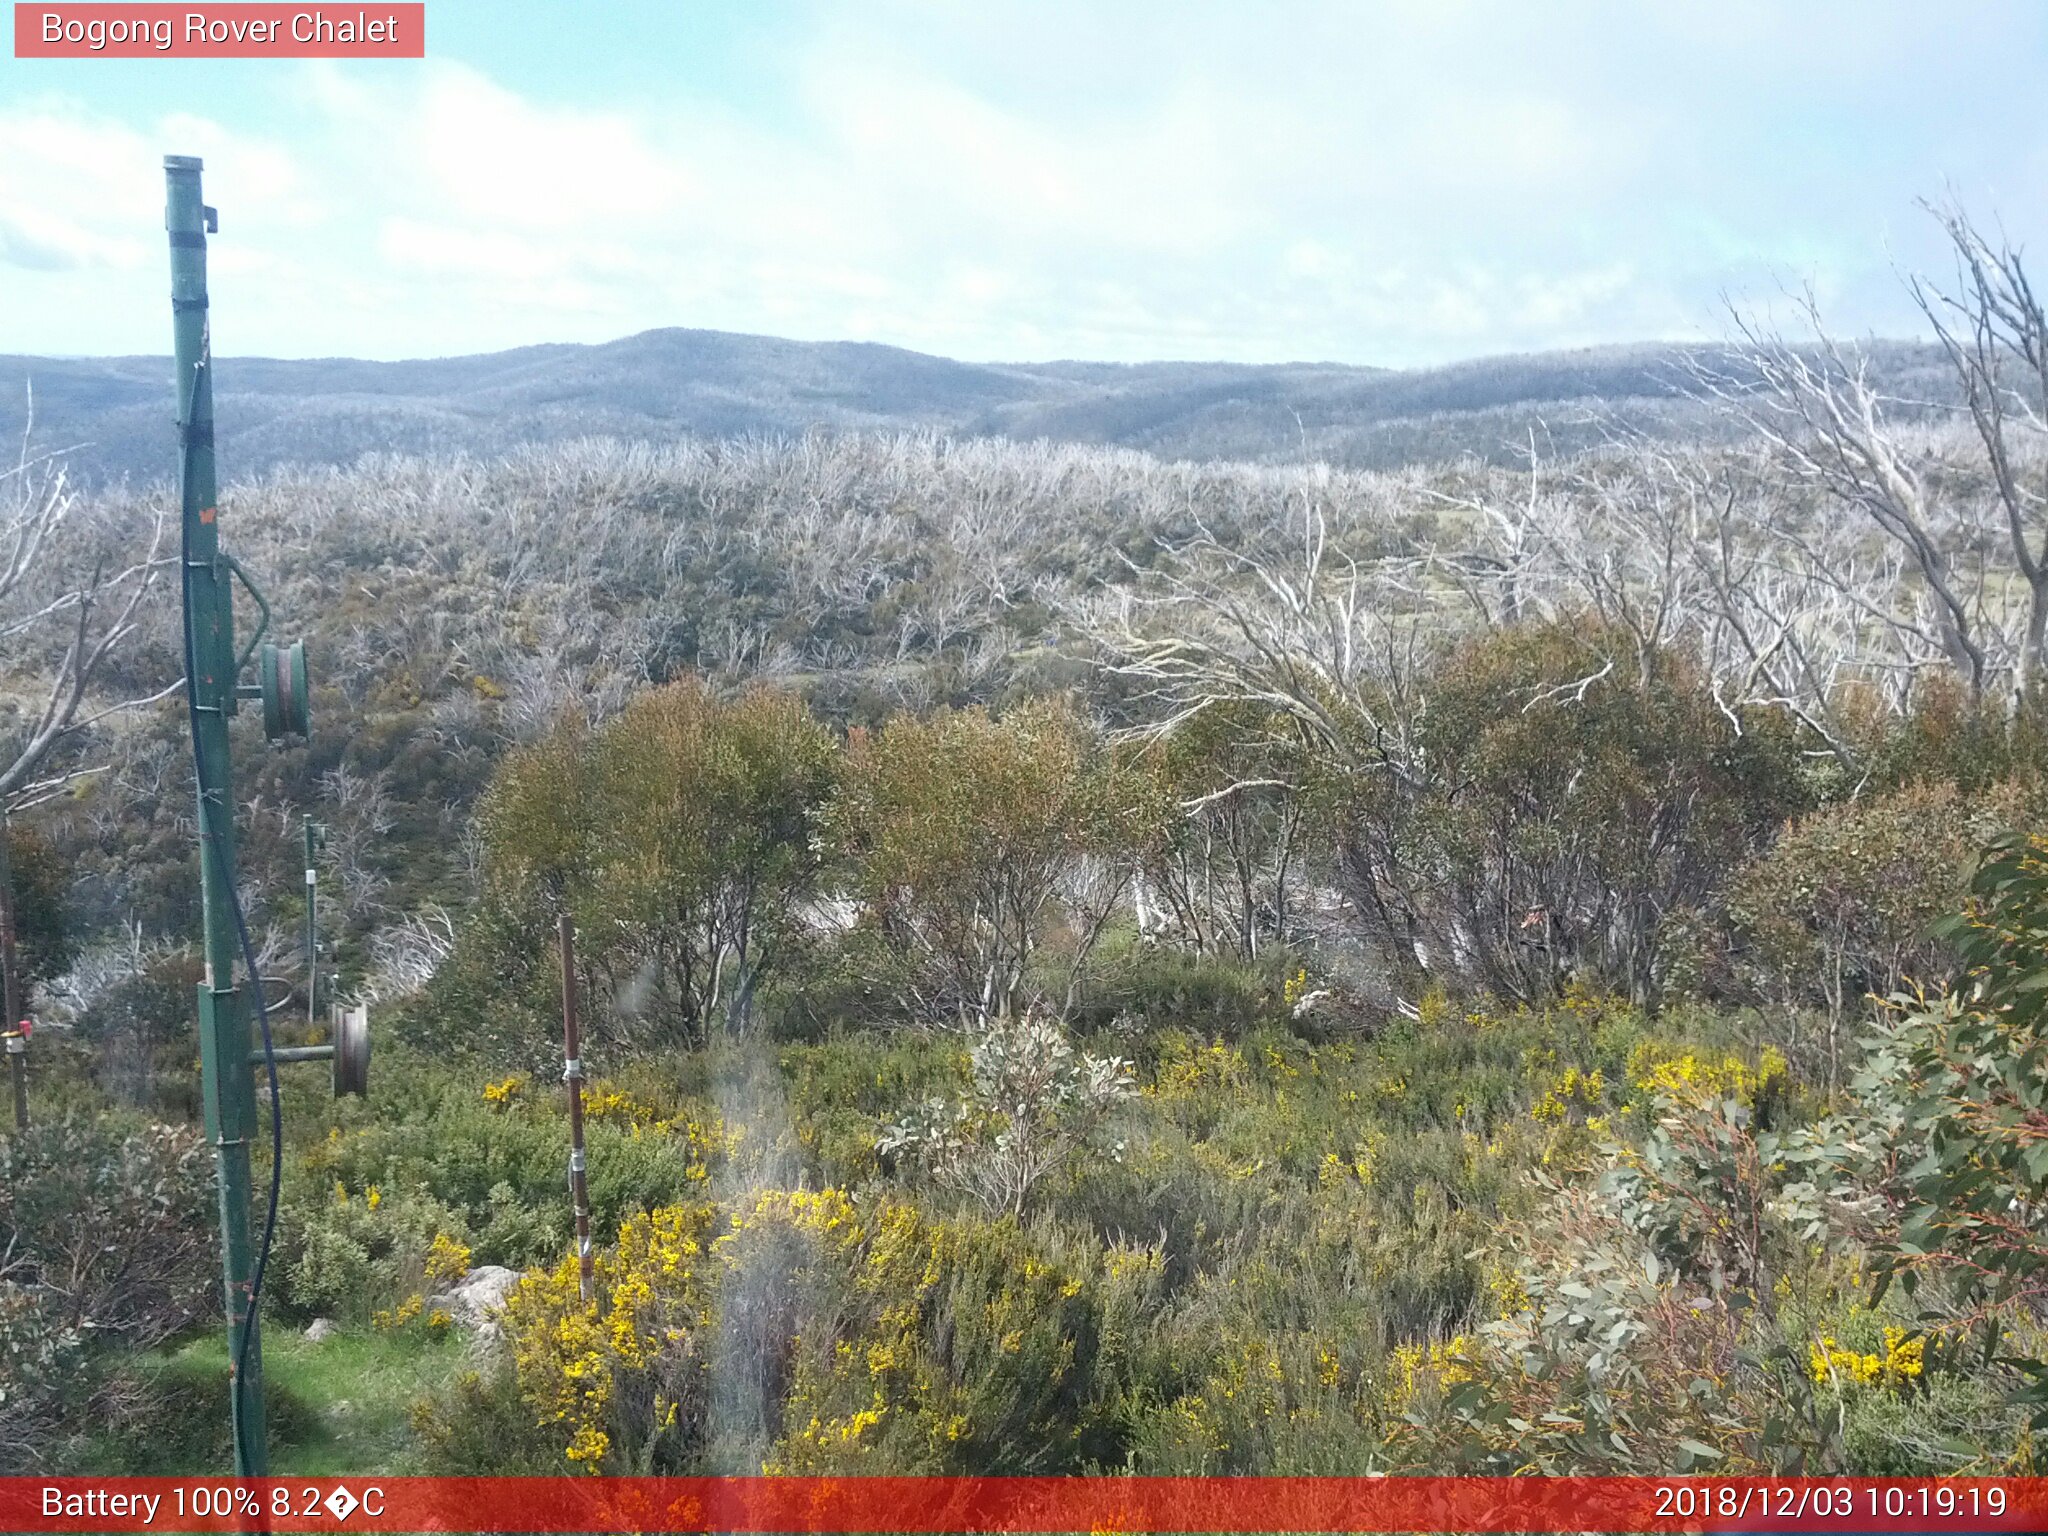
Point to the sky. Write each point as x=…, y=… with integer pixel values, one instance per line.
x=1388, y=182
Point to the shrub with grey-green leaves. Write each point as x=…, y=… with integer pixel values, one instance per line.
x=40, y=1382
x=106, y=1249
x=110, y=1223
x=1033, y=1104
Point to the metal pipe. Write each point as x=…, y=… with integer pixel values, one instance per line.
x=285, y=1053
x=224, y=1034
x=572, y=1075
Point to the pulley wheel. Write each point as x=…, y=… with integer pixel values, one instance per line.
x=351, y=1052
x=281, y=671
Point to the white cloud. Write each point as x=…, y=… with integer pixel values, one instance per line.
x=72, y=197
x=1394, y=183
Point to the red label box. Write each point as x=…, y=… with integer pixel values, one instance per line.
x=370, y=30
x=1126, y=1506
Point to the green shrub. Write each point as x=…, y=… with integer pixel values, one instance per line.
x=165, y=1415
x=1959, y=1422
x=1845, y=903
x=477, y=1425
x=144, y=1029
x=42, y=1386
x=111, y=1221
x=1947, y=738
x=682, y=837
x=842, y=1094
x=1701, y=1310
x=358, y=1252
x=501, y=1162
x=1942, y=1153
x=1157, y=986
x=107, y=1228
x=1564, y=790
x=977, y=844
x=839, y=983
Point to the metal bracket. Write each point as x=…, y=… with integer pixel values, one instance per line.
x=262, y=612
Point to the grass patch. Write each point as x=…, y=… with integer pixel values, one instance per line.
x=338, y=1407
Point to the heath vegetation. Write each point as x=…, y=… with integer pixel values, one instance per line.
x=1092, y=963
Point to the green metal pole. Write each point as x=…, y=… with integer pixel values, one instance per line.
x=224, y=1035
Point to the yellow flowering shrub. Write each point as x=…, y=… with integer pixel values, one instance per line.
x=1187, y=1070
x=969, y=1346
x=610, y=1373
x=1253, y=1394
x=1900, y=1361
x=387, y=1319
x=802, y=1333
x=1573, y=1114
x=1294, y=988
x=1415, y=1369
x=506, y=1089
x=1692, y=1077
x=1361, y=1166
x=1572, y=1095
x=604, y=1101
x=447, y=1258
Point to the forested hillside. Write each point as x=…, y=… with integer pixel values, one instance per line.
x=1095, y=959
x=662, y=386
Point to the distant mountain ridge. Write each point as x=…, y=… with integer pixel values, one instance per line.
x=667, y=383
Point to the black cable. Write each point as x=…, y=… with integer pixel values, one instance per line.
x=210, y=842
x=276, y=1126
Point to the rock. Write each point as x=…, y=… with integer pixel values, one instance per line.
x=473, y=1302
x=320, y=1328
x=1308, y=1003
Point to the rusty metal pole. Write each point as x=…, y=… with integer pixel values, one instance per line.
x=17, y=1067
x=572, y=1075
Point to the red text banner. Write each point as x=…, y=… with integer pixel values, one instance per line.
x=965, y=1504
x=235, y=31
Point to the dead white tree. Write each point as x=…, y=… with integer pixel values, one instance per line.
x=1311, y=635
x=1676, y=545
x=1326, y=646
x=1991, y=326
x=69, y=597
x=405, y=955
x=1833, y=429
x=1966, y=522
x=62, y=615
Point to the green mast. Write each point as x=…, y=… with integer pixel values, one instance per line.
x=211, y=671
x=213, y=688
